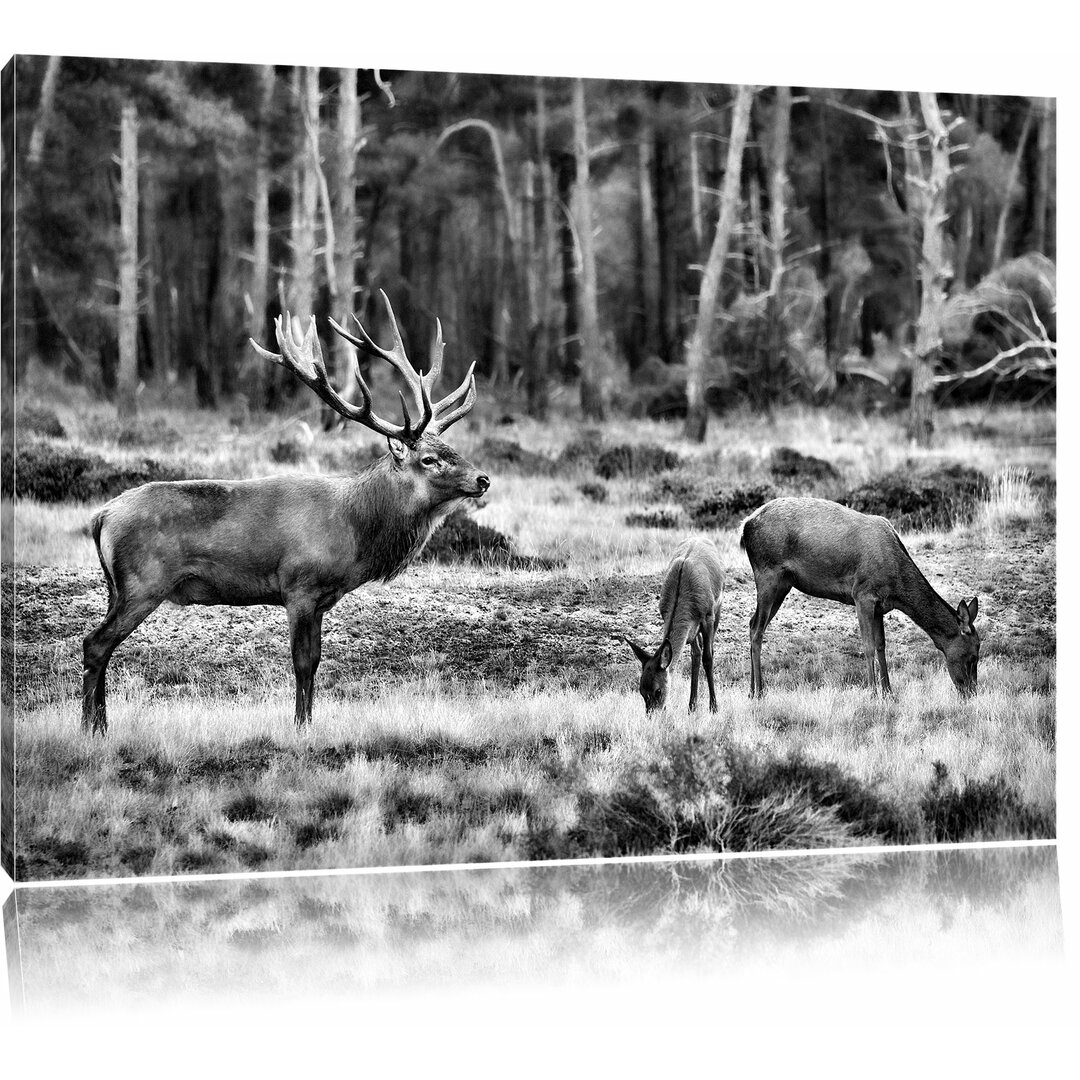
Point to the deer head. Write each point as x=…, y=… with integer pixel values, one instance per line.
x=441, y=473
x=653, y=685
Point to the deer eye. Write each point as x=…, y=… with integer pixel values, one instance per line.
x=428, y=460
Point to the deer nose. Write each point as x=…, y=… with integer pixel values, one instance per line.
x=483, y=482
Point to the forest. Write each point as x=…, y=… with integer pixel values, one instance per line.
x=682, y=301
x=653, y=248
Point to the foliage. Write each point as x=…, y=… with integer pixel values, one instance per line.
x=635, y=459
x=989, y=809
x=936, y=498
x=54, y=472
x=36, y=419
x=788, y=464
x=500, y=455
x=657, y=518
x=727, y=507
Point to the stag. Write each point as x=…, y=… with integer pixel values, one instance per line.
x=833, y=552
x=299, y=542
x=689, y=606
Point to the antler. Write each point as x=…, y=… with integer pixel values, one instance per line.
x=438, y=416
x=302, y=355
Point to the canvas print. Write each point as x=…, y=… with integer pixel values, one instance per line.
x=408, y=467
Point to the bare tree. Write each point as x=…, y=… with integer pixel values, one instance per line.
x=1011, y=184
x=260, y=256
x=593, y=389
x=127, y=378
x=45, y=112
x=926, y=183
x=709, y=294
x=306, y=195
x=778, y=154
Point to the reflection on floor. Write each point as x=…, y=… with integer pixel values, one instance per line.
x=533, y=926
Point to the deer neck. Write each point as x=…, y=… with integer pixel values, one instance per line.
x=926, y=608
x=679, y=624
x=390, y=521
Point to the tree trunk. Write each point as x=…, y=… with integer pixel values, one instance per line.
x=933, y=275
x=697, y=214
x=127, y=380
x=342, y=353
x=303, y=291
x=46, y=104
x=1041, y=200
x=646, y=328
x=709, y=294
x=538, y=346
x=259, y=292
x=594, y=393
x=778, y=155
x=571, y=352
x=1010, y=193
x=666, y=181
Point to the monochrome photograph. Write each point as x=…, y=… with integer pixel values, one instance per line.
x=410, y=467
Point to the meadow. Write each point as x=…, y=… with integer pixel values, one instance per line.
x=483, y=707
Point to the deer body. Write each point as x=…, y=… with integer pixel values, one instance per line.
x=835, y=553
x=689, y=606
x=299, y=542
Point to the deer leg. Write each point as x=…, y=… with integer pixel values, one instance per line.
x=121, y=619
x=879, y=645
x=695, y=663
x=301, y=636
x=708, y=634
x=771, y=591
x=316, y=656
x=865, y=611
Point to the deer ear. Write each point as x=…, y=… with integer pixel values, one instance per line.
x=665, y=655
x=642, y=654
x=397, y=448
x=966, y=611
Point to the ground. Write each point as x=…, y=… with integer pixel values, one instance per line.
x=486, y=710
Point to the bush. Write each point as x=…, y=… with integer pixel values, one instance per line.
x=658, y=518
x=35, y=419
x=724, y=509
x=985, y=810
x=938, y=498
x=137, y=433
x=289, y=449
x=594, y=491
x=50, y=472
x=701, y=796
x=505, y=454
x=630, y=459
x=582, y=452
x=789, y=464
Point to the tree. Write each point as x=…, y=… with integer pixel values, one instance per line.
x=778, y=154
x=926, y=184
x=594, y=393
x=709, y=294
x=260, y=256
x=128, y=321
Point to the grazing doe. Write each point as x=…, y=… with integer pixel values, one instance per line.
x=689, y=605
x=300, y=542
x=831, y=551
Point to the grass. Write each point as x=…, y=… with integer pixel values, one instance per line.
x=489, y=712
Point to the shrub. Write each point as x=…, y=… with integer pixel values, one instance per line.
x=789, y=464
x=583, y=451
x=657, y=518
x=594, y=491
x=289, y=449
x=985, y=810
x=136, y=433
x=630, y=459
x=50, y=472
x=36, y=419
x=462, y=539
x=937, y=498
x=346, y=457
x=700, y=796
x=726, y=508
x=505, y=454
